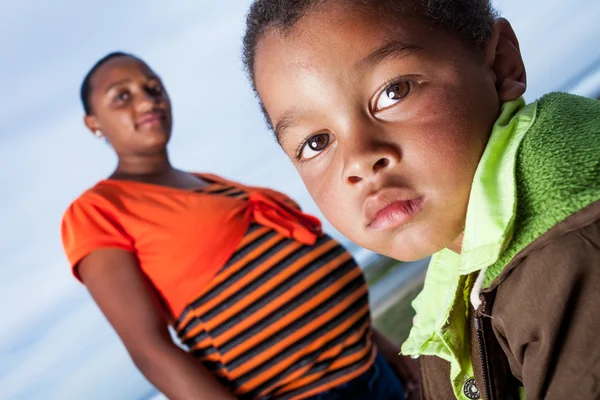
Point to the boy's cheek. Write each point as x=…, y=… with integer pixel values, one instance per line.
x=326, y=198
x=336, y=206
x=320, y=182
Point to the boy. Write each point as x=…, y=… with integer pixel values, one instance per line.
x=406, y=122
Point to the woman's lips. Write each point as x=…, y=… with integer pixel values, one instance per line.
x=389, y=210
x=151, y=119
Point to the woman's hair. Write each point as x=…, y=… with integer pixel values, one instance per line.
x=86, y=84
x=471, y=19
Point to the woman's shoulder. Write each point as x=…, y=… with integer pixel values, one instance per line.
x=98, y=197
x=98, y=193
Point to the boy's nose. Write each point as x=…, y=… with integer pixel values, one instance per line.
x=368, y=163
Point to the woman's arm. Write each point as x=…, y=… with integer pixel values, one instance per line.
x=128, y=301
x=406, y=368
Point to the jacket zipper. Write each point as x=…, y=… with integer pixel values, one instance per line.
x=421, y=389
x=487, y=382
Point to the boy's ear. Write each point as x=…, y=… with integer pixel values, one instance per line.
x=504, y=57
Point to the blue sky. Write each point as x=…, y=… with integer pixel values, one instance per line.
x=54, y=343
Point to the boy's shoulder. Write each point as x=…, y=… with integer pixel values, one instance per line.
x=563, y=105
x=566, y=129
x=563, y=123
x=557, y=172
x=571, y=247
x=550, y=291
x=557, y=167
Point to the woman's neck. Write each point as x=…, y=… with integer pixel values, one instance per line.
x=143, y=166
x=157, y=170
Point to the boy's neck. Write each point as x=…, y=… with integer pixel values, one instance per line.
x=456, y=245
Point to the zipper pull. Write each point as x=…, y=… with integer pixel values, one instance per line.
x=485, y=370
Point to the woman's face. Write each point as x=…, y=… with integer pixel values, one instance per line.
x=130, y=106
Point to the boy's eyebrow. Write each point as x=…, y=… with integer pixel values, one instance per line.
x=393, y=48
x=285, y=122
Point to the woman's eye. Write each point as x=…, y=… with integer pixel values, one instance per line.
x=392, y=94
x=156, y=89
x=314, y=145
x=121, y=97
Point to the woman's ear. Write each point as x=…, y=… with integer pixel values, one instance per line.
x=504, y=58
x=93, y=125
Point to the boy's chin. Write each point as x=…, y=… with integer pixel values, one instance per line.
x=408, y=250
x=410, y=257
x=404, y=253
x=418, y=244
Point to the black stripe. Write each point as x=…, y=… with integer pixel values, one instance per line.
x=203, y=352
x=249, y=247
x=253, y=227
x=301, y=322
x=333, y=276
x=252, y=286
x=219, y=191
x=197, y=338
x=308, y=358
x=232, y=192
x=329, y=377
x=305, y=271
x=286, y=308
x=348, y=351
x=294, y=347
x=224, y=381
x=237, y=275
x=215, y=366
x=238, y=255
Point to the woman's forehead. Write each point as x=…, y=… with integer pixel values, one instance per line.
x=118, y=69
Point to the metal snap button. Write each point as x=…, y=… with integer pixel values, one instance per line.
x=470, y=389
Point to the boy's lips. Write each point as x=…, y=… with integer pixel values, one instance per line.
x=390, y=208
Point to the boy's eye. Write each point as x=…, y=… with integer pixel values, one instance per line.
x=313, y=146
x=392, y=94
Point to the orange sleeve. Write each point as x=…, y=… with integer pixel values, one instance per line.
x=87, y=227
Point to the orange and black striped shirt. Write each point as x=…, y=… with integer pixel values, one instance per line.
x=272, y=307
x=282, y=319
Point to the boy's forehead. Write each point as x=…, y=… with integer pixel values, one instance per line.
x=328, y=51
x=340, y=41
x=346, y=34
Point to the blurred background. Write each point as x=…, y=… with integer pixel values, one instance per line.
x=54, y=343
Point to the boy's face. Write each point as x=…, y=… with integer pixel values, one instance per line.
x=385, y=121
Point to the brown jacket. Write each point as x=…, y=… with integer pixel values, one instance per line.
x=539, y=322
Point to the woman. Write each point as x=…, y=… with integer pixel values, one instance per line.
x=267, y=305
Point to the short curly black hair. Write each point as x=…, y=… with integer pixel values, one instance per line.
x=471, y=19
